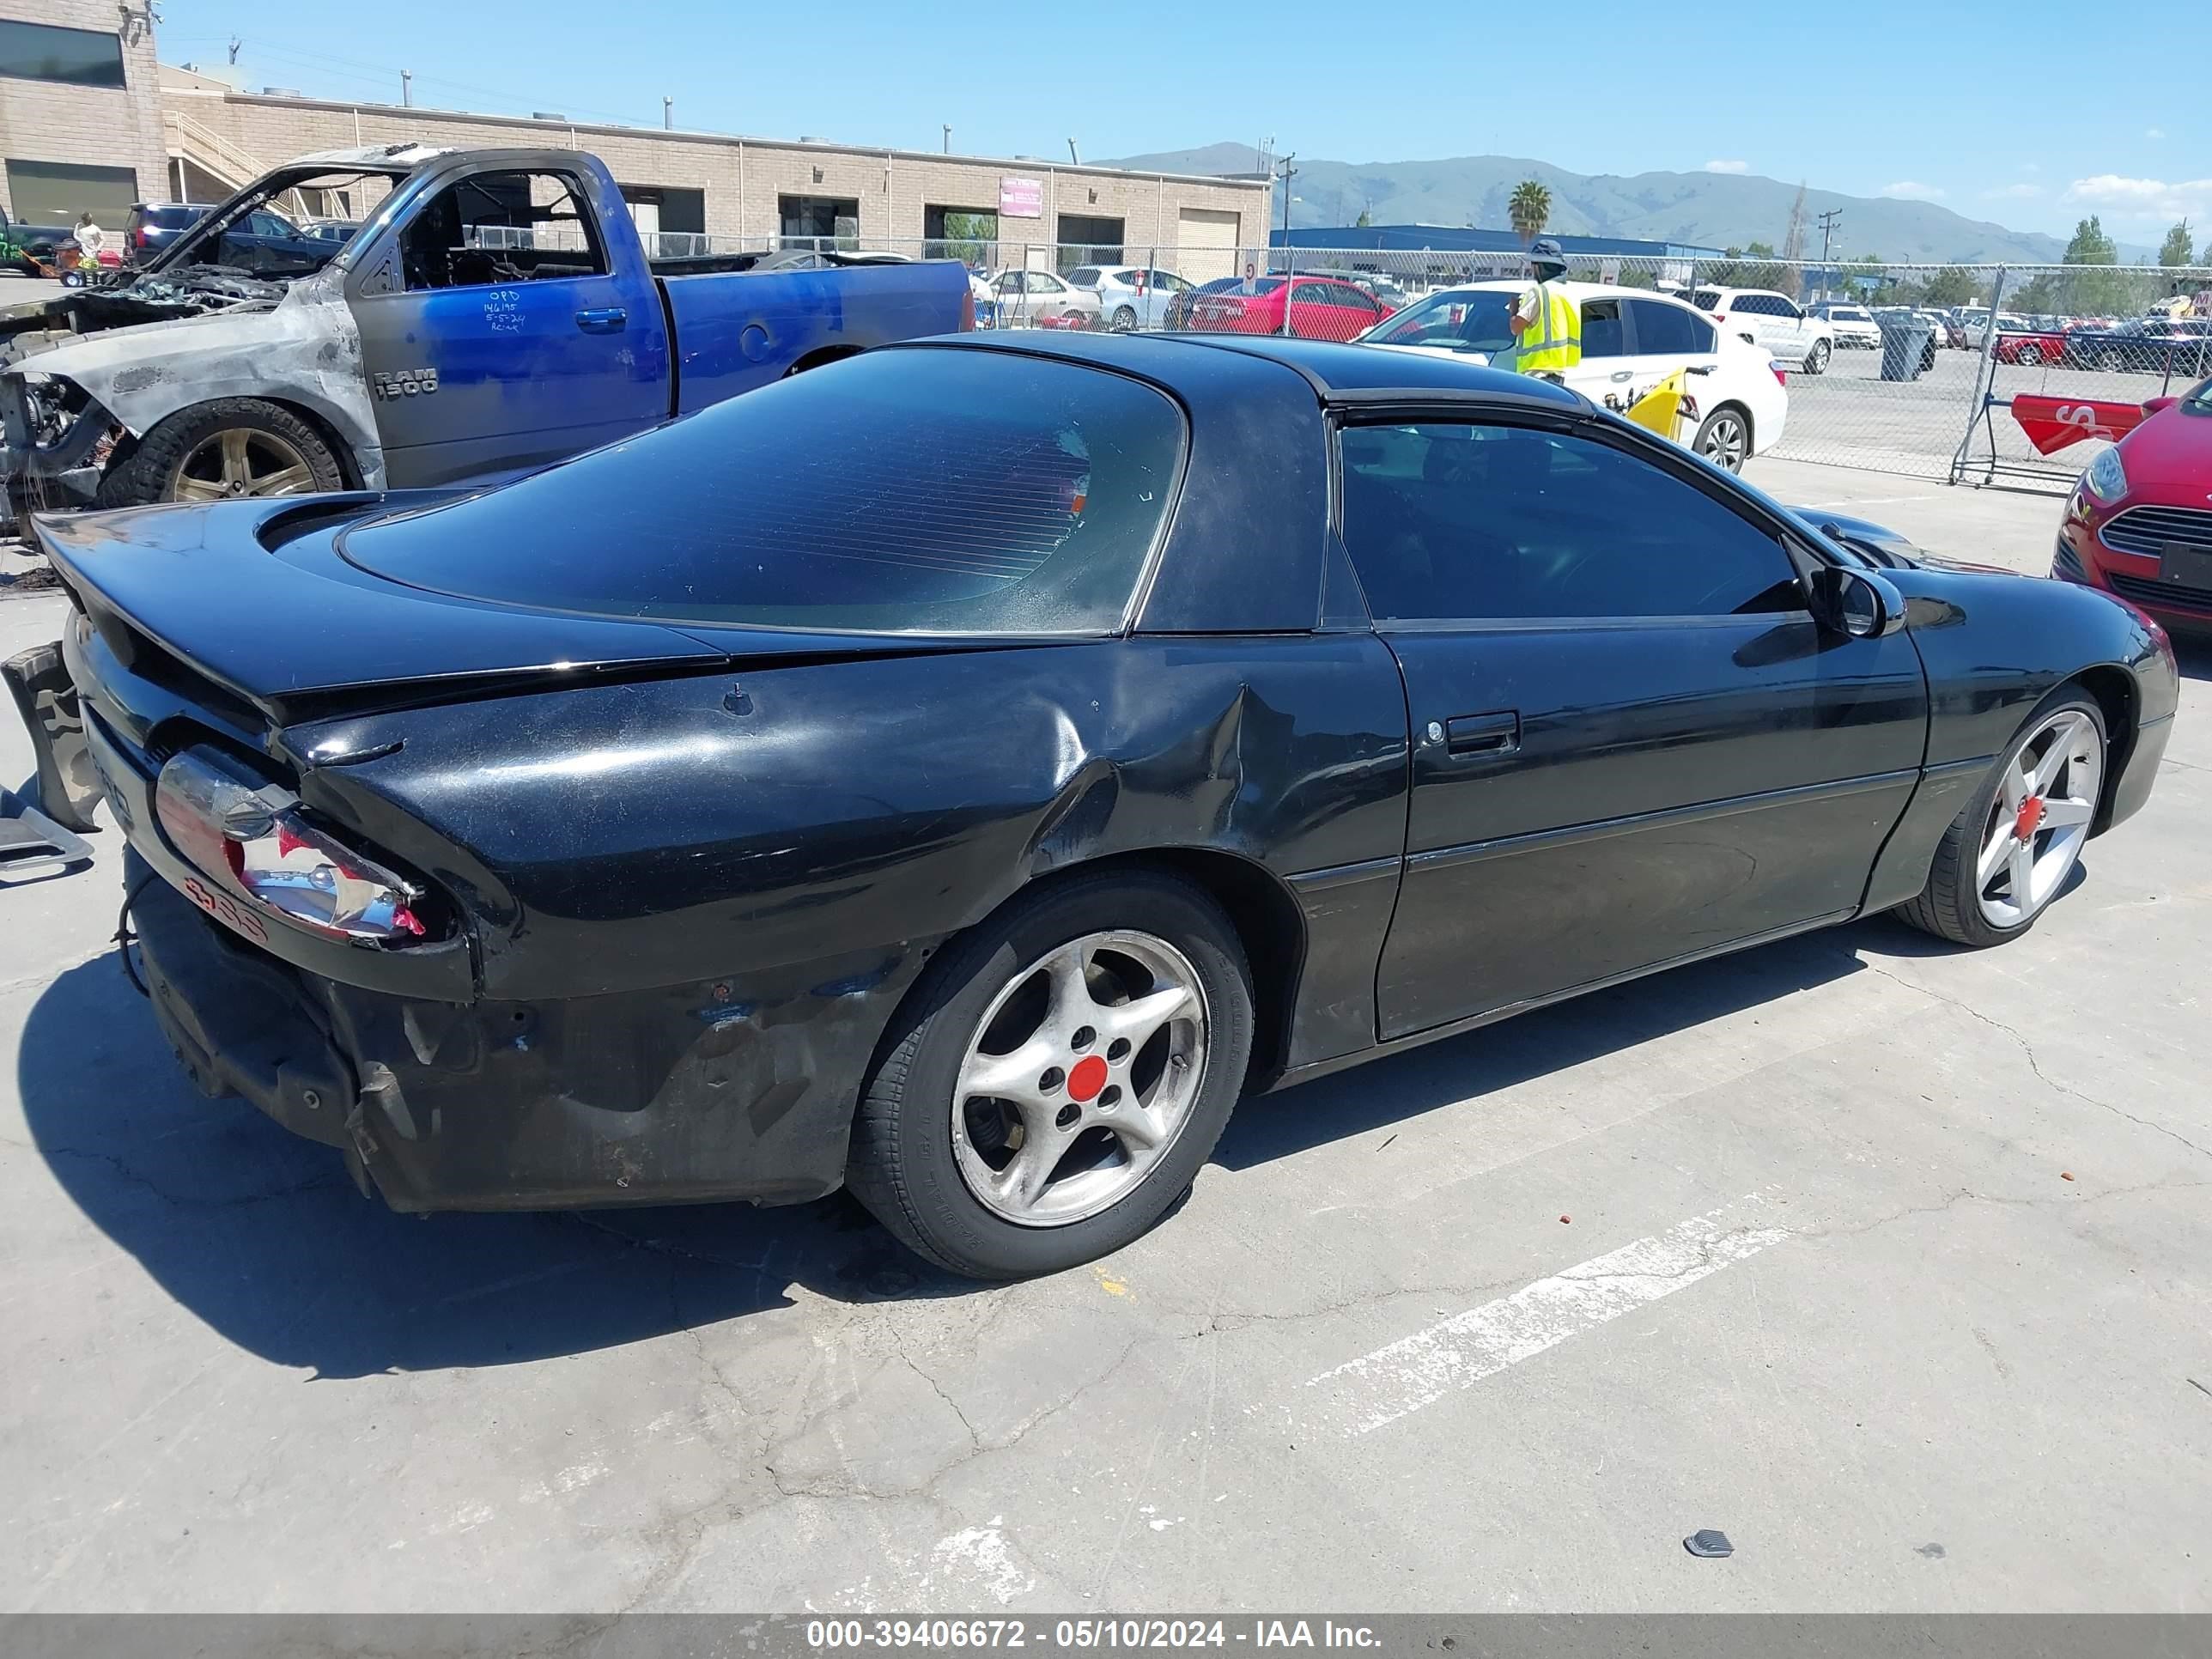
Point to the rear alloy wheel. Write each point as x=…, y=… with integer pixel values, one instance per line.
x=1057, y=1078
x=1816, y=360
x=1725, y=439
x=2030, y=356
x=2009, y=852
x=1125, y=318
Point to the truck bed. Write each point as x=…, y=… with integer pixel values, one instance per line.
x=736, y=331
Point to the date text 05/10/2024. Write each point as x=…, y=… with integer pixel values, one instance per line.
x=942, y=1633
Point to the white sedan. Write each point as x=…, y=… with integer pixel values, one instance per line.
x=1739, y=396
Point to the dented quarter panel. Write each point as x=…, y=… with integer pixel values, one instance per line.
x=703, y=947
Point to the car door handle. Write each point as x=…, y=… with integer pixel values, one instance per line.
x=604, y=319
x=1623, y=374
x=1497, y=732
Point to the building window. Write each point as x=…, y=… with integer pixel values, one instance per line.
x=819, y=221
x=1084, y=240
x=76, y=58
x=52, y=193
x=968, y=234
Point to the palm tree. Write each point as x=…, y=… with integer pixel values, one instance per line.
x=1530, y=206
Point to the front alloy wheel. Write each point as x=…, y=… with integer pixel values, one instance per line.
x=2010, y=852
x=2032, y=836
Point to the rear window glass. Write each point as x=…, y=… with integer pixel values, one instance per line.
x=919, y=490
x=173, y=218
x=1707, y=299
x=1084, y=275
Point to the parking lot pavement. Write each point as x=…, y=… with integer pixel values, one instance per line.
x=15, y=290
x=1888, y=1260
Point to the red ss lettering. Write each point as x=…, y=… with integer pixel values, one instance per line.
x=220, y=907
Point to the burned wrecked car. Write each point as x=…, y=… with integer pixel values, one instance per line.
x=964, y=772
x=493, y=311
x=85, y=375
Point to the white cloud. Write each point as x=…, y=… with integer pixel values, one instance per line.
x=1909, y=190
x=2147, y=198
x=2013, y=192
x=1727, y=167
x=2154, y=132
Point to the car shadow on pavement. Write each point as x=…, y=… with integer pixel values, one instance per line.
x=264, y=1236
x=1495, y=1057
x=2192, y=653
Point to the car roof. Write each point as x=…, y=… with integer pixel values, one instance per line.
x=1335, y=372
x=1574, y=290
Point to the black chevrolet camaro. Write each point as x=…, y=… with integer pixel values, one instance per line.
x=966, y=771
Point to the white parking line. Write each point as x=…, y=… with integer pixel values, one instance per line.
x=1363, y=1394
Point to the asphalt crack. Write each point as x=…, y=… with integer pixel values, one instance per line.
x=2034, y=1062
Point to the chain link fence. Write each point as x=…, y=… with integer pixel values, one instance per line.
x=1960, y=373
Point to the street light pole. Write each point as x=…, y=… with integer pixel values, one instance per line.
x=1290, y=265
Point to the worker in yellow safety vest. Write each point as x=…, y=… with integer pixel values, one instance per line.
x=1546, y=324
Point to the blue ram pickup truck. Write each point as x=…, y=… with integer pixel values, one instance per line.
x=496, y=311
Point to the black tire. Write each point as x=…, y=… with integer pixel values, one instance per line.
x=149, y=472
x=2031, y=357
x=1948, y=906
x=902, y=1165
x=1816, y=360
x=1729, y=457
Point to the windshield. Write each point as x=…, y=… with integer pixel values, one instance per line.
x=909, y=491
x=1462, y=321
x=259, y=232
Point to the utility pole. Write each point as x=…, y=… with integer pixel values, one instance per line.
x=1829, y=221
x=1290, y=263
x=235, y=43
x=948, y=137
x=406, y=88
x=667, y=113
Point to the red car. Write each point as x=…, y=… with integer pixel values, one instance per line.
x=1322, y=307
x=2029, y=348
x=2139, y=522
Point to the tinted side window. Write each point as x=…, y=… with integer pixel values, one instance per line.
x=1663, y=328
x=1602, y=331
x=1756, y=305
x=1450, y=522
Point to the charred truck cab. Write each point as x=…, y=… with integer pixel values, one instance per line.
x=496, y=311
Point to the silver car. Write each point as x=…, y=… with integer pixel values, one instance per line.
x=1039, y=296
x=1131, y=296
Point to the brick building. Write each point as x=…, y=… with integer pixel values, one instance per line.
x=748, y=191
x=80, y=110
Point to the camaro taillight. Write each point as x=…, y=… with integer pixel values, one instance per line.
x=292, y=866
x=253, y=838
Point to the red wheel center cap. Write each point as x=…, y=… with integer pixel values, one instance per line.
x=2030, y=815
x=1088, y=1078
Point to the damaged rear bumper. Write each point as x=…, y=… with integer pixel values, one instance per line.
x=502, y=1106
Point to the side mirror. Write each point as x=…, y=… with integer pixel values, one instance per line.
x=1857, y=603
x=2153, y=406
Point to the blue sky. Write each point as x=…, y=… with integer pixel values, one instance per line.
x=2033, y=142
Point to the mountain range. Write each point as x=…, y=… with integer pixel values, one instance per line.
x=1708, y=209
